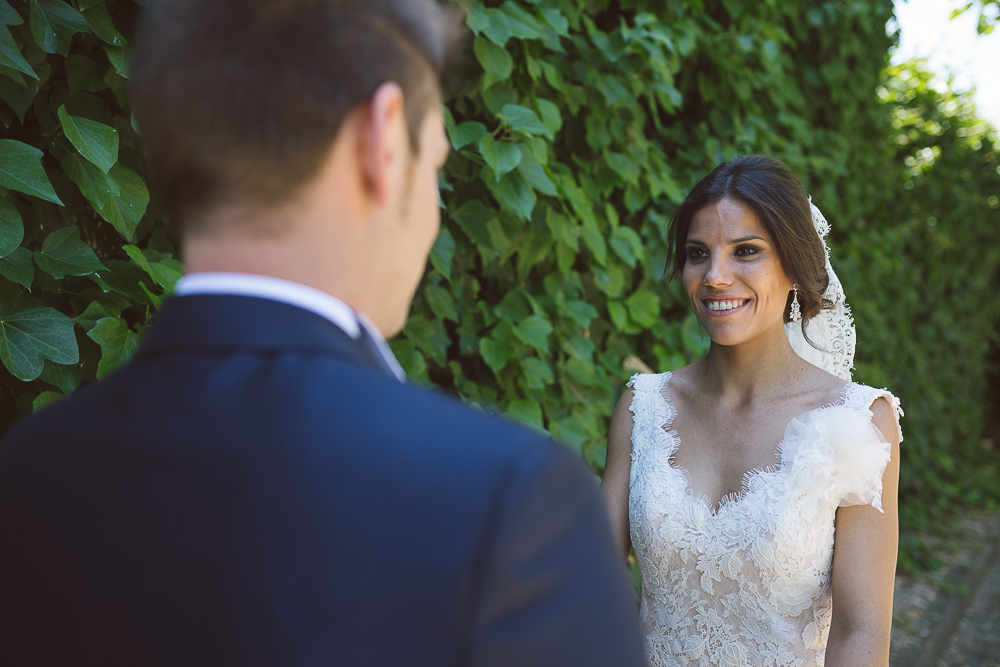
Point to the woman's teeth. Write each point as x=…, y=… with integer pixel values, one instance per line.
x=726, y=305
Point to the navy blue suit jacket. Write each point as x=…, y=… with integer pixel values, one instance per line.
x=252, y=490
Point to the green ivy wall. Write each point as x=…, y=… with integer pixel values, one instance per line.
x=577, y=126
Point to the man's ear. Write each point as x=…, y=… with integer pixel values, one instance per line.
x=384, y=142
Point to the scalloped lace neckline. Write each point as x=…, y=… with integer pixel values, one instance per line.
x=734, y=498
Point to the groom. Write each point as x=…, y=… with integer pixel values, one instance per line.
x=260, y=486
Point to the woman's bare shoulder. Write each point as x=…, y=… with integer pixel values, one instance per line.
x=824, y=388
x=686, y=379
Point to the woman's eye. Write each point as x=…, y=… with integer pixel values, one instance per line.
x=696, y=253
x=746, y=251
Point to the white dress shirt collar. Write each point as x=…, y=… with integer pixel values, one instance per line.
x=294, y=294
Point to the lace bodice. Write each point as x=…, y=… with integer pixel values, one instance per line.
x=749, y=584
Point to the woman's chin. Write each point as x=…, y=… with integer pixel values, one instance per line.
x=728, y=336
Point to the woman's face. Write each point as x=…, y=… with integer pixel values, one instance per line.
x=732, y=274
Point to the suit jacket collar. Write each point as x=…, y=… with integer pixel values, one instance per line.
x=226, y=322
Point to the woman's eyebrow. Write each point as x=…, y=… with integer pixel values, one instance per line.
x=744, y=239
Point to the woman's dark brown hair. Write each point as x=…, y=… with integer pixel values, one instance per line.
x=768, y=188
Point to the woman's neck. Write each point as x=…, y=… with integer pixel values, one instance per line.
x=757, y=368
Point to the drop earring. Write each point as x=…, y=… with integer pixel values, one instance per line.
x=795, y=313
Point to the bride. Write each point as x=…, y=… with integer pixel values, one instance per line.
x=727, y=476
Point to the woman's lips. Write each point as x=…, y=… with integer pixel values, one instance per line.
x=724, y=307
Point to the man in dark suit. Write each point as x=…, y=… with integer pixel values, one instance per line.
x=259, y=486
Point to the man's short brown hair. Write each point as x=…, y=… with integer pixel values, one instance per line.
x=241, y=100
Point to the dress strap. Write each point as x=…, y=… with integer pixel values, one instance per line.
x=860, y=397
x=652, y=412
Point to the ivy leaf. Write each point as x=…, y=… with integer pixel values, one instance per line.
x=95, y=185
x=442, y=253
x=409, y=358
x=53, y=24
x=467, y=133
x=100, y=23
x=18, y=97
x=623, y=166
x=611, y=282
x=673, y=189
x=495, y=60
x=120, y=59
x=558, y=22
x=522, y=119
x=561, y=228
x=500, y=347
x=96, y=141
x=569, y=431
x=523, y=24
x=625, y=243
x=496, y=355
x=501, y=156
x=594, y=240
x=18, y=267
x=21, y=170
x=643, y=307
x=429, y=336
x=513, y=307
x=536, y=176
x=67, y=378
x=582, y=204
x=118, y=343
x=618, y=314
x=125, y=211
x=123, y=278
x=694, y=338
x=45, y=399
x=537, y=373
x=580, y=311
x=534, y=331
x=95, y=312
x=473, y=216
x=9, y=15
x=582, y=372
x=441, y=302
x=515, y=194
x=551, y=117
x=29, y=336
x=614, y=91
x=63, y=253
x=84, y=74
x=526, y=412
x=477, y=19
x=11, y=228
x=164, y=275
x=498, y=27
x=10, y=55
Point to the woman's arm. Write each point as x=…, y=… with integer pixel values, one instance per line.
x=614, y=483
x=864, y=567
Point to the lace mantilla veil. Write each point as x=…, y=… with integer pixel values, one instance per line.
x=832, y=331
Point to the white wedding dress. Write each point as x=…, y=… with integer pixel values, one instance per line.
x=749, y=584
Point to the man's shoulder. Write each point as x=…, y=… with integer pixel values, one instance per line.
x=399, y=416
x=319, y=406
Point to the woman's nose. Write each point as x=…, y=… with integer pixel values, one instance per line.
x=718, y=273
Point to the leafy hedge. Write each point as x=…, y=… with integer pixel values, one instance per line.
x=577, y=125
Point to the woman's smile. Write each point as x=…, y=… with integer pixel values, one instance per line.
x=721, y=307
